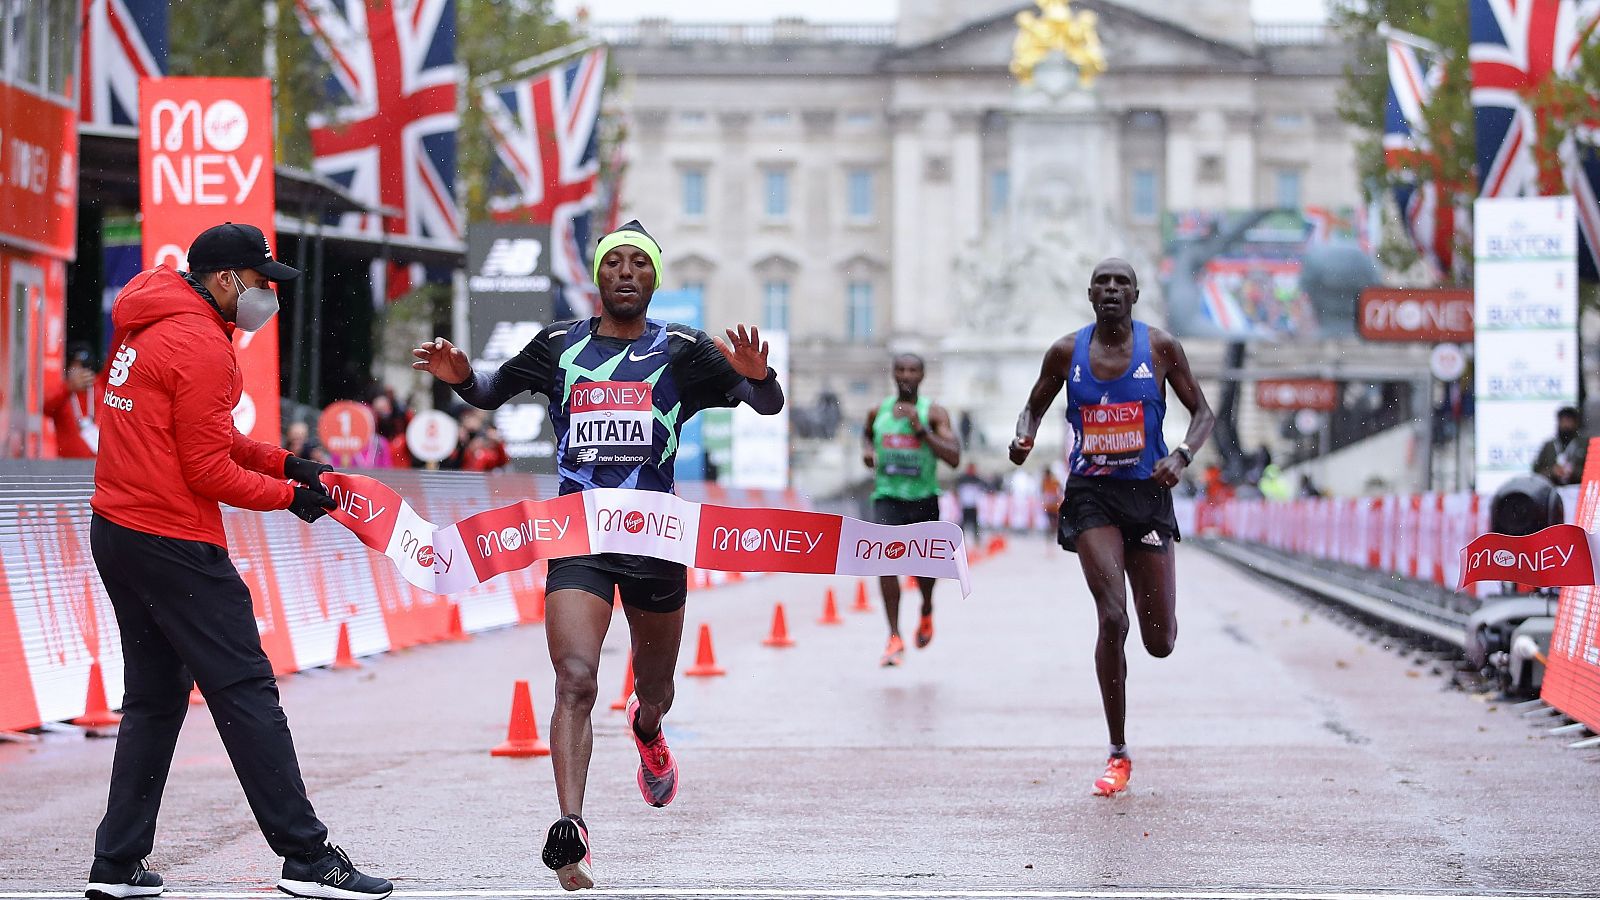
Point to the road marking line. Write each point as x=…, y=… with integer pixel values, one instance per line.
x=950, y=894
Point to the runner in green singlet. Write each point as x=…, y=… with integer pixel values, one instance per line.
x=903, y=441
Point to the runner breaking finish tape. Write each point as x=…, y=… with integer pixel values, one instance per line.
x=620, y=387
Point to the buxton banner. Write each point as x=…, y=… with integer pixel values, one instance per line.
x=646, y=523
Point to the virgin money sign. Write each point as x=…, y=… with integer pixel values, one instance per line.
x=1415, y=315
x=1558, y=556
x=741, y=540
x=38, y=173
x=1297, y=393
x=205, y=158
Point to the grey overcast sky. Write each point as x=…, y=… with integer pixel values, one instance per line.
x=837, y=10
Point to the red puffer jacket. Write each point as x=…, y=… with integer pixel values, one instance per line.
x=169, y=452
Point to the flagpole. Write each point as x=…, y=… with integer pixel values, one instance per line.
x=533, y=63
x=1390, y=33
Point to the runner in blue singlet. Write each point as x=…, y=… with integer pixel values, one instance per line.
x=1117, y=513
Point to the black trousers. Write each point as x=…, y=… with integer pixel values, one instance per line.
x=183, y=609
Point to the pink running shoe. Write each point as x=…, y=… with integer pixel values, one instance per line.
x=566, y=850
x=1115, y=780
x=658, y=770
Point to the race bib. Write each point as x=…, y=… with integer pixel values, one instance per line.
x=902, y=456
x=1113, y=433
x=611, y=423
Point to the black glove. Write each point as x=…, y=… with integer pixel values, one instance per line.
x=309, y=504
x=305, y=471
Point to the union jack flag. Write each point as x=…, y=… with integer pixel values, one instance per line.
x=122, y=41
x=392, y=138
x=1519, y=47
x=1428, y=210
x=547, y=168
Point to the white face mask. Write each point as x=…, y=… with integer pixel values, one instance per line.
x=256, y=306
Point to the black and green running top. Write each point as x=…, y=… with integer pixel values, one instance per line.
x=617, y=406
x=906, y=463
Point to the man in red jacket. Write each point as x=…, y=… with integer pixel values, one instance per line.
x=73, y=406
x=169, y=454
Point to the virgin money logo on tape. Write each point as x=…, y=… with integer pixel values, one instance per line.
x=642, y=522
x=934, y=548
x=1558, y=556
x=512, y=537
x=633, y=521
x=767, y=540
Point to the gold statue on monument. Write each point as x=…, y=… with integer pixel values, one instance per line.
x=1057, y=27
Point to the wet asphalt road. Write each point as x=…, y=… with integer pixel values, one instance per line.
x=1274, y=750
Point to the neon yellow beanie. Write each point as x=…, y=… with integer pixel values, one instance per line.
x=630, y=235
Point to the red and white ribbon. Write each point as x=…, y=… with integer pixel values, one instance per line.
x=1558, y=556
x=646, y=523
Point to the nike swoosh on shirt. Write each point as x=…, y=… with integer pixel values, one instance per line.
x=636, y=358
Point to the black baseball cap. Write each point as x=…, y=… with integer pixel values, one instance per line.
x=232, y=245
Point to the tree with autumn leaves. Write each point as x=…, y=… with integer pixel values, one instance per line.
x=1564, y=105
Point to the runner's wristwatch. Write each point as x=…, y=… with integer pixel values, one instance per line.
x=1184, y=451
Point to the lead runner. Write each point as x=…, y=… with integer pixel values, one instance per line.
x=1117, y=513
x=612, y=439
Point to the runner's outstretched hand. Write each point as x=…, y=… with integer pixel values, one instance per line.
x=443, y=360
x=745, y=351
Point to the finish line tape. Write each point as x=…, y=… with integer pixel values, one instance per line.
x=644, y=523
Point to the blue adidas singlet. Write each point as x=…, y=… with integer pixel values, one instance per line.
x=1116, y=424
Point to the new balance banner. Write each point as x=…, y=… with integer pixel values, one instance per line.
x=646, y=523
x=205, y=158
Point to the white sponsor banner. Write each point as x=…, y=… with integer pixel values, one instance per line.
x=1526, y=312
x=1509, y=450
x=865, y=547
x=1537, y=295
x=644, y=523
x=761, y=443
x=1530, y=366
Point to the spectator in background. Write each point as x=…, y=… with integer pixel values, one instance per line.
x=299, y=441
x=390, y=420
x=74, y=405
x=970, y=490
x=485, y=452
x=376, y=454
x=1050, y=491
x=1561, y=458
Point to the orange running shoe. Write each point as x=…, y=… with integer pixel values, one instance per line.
x=1115, y=780
x=925, y=632
x=895, y=653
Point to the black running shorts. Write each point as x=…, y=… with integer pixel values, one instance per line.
x=1142, y=509
x=590, y=574
x=889, y=511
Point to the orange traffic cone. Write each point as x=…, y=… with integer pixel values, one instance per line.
x=621, y=702
x=705, y=659
x=780, y=629
x=196, y=698
x=522, y=738
x=96, y=714
x=862, y=603
x=342, y=659
x=830, y=610
x=455, y=632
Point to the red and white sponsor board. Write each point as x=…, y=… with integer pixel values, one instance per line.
x=1572, y=673
x=644, y=523
x=205, y=158
x=1297, y=393
x=346, y=428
